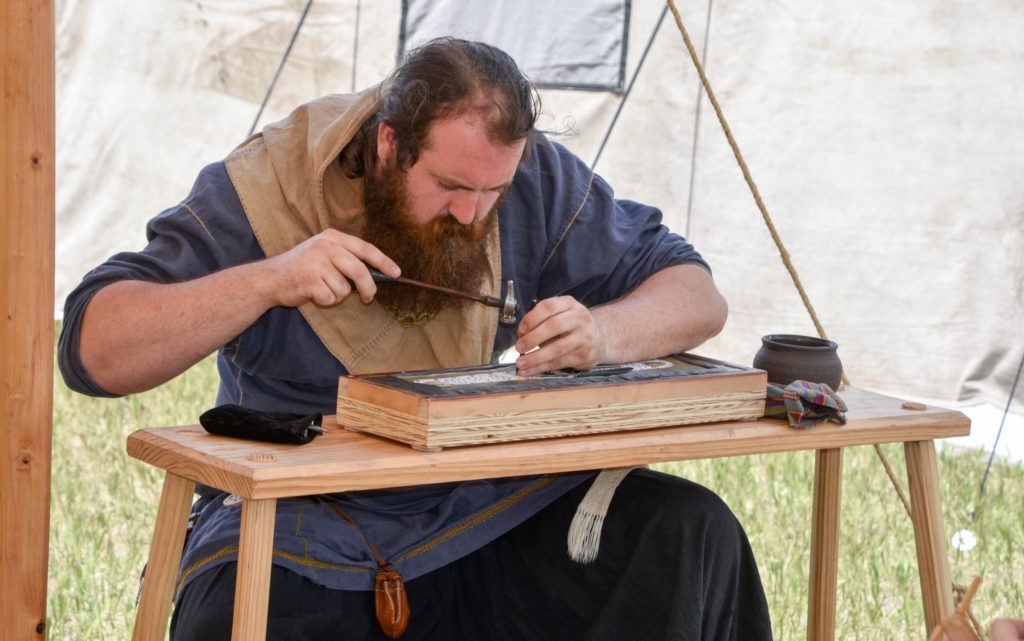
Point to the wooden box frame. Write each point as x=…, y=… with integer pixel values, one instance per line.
x=403, y=407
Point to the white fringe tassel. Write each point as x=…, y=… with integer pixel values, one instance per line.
x=585, y=529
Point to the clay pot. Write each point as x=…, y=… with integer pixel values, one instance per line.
x=790, y=357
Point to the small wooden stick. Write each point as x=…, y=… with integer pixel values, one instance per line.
x=955, y=626
x=966, y=603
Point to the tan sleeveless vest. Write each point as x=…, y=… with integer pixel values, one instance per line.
x=292, y=187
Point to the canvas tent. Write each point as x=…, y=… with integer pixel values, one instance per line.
x=887, y=140
x=885, y=137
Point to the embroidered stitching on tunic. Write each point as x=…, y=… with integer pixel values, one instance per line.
x=198, y=220
x=568, y=225
x=371, y=345
x=298, y=520
x=480, y=518
x=321, y=565
x=201, y=562
x=233, y=549
x=409, y=319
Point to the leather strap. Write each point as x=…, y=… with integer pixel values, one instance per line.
x=389, y=598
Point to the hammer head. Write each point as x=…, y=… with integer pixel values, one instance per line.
x=509, y=306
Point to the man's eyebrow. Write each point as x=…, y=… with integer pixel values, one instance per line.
x=451, y=182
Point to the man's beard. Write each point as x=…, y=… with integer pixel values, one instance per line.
x=441, y=252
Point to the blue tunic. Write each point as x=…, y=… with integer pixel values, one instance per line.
x=550, y=246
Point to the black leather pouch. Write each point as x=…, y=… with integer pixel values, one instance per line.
x=259, y=425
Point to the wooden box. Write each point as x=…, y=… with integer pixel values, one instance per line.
x=434, y=409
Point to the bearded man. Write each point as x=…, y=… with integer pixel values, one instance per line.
x=440, y=175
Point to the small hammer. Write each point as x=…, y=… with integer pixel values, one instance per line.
x=509, y=306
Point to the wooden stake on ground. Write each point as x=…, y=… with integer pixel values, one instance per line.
x=26, y=311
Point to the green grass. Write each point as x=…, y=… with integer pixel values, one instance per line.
x=104, y=505
x=879, y=590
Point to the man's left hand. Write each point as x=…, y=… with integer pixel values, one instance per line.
x=565, y=334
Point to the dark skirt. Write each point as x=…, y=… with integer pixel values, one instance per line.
x=673, y=564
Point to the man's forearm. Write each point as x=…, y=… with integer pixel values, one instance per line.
x=136, y=335
x=674, y=310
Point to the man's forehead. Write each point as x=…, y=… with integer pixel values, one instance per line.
x=473, y=123
x=461, y=145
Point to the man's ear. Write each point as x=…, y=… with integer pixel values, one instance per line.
x=386, y=141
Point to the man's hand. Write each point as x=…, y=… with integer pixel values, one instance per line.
x=1007, y=630
x=323, y=268
x=674, y=310
x=136, y=335
x=565, y=333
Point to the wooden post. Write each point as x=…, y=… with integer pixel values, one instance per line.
x=27, y=150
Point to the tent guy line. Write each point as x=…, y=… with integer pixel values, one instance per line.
x=284, y=59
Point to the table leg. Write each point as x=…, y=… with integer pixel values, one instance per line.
x=252, y=588
x=164, y=558
x=929, y=532
x=821, y=606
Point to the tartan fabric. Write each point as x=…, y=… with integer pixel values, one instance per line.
x=804, y=404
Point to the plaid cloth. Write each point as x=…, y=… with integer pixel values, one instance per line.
x=805, y=404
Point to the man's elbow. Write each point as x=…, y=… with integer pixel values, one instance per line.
x=75, y=372
x=707, y=322
x=718, y=313
x=103, y=350
x=710, y=309
x=101, y=372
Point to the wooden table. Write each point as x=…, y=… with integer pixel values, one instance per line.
x=341, y=461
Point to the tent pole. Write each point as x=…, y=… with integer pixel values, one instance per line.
x=27, y=150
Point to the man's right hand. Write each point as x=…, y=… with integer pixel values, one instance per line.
x=323, y=269
x=136, y=335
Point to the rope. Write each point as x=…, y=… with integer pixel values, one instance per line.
x=277, y=74
x=746, y=174
x=896, y=485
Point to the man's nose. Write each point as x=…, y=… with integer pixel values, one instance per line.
x=463, y=206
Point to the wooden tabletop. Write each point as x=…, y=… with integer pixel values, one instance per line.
x=341, y=460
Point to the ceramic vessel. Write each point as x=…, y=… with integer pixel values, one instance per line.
x=790, y=357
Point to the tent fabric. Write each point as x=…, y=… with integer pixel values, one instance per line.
x=886, y=138
x=578, y=45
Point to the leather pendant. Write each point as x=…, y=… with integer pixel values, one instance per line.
x=391, y=603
